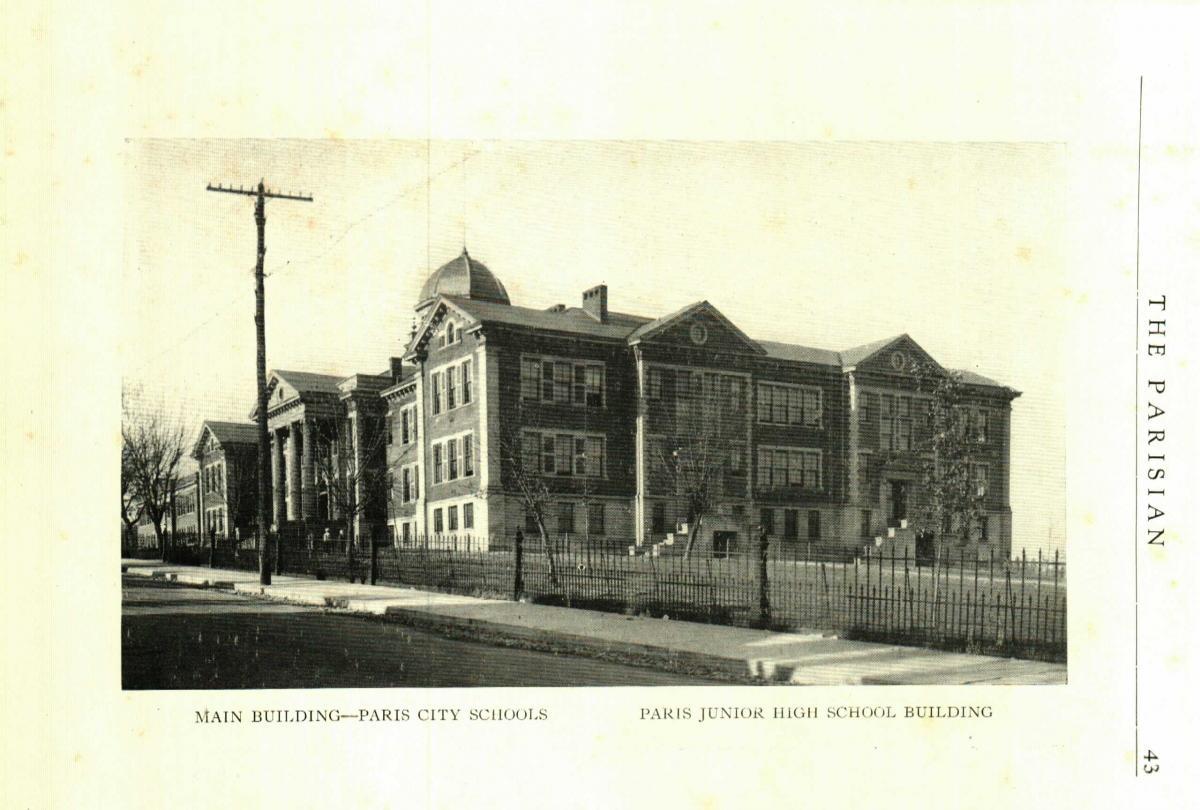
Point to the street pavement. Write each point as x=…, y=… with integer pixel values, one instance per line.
x=179, y=637
x=728, y=652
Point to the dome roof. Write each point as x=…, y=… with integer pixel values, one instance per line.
x=464, y=277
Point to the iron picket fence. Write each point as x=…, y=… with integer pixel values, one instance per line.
x=956, y=600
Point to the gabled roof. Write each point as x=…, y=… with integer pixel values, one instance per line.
x=306, y=382
x=854, y=356
x=652, y=328
x=226, y=434
x=572, y=320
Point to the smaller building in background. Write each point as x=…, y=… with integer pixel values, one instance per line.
x=226, y=489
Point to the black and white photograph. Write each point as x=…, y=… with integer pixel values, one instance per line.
x=651, y=404
x=591, y=413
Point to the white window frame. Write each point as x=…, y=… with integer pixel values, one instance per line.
x=794, y=399
x=761, y=453
x=575, y=369
x=571, y=457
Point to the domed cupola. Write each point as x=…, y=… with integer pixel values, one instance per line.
x=463, y=277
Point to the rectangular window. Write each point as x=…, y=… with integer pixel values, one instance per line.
x=547, y=381
x=438, y=461
x=767, y=520
x=566, y=518
x=562, y=383
x=764, y=469
x=530, y=453
x=814, y=526
x=866, y=524
x=438, y=528
x=452, y=518
x=548, y=454
x=594, y=379
x=782, y=404
x=595, y=457
x=562, y=455
x=452, y=459
x=654, y=380
x=468, y=516
x=658, y=519
x=531, y=378
x=406, y=531
x=595, y=516
x=579, y=391
x=791, y=524
x=531, y=525
x=779, y=467
x=983, y=528
x=405, y=485
x=981, y=479
x=466, y=382
x=468, y=455
x=581, y=456
x=451, y=387
x=435, y=389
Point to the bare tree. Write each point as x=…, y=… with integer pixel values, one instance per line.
x=353, y=469
x=132, y=506
x=152, y=446
x=706, y=433
x=949, y=442
x=531, y=487
x=695, y=463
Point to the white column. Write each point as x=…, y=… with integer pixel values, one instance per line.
x=293, y=473
x=639, y=499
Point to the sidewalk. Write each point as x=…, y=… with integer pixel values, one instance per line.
x=733, y=652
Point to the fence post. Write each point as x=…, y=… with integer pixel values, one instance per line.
x=518, y=585
x=764, y=596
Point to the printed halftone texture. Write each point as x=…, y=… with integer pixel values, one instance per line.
x=829, y=245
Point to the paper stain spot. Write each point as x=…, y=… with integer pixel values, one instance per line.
x=1025, y=253
x=1089, y=519
x=912, y=184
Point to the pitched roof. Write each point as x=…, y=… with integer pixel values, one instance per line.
x=647, y=329
x=971, y=378
x=233, y=432
x=800, y=354
x=571, y=319
x=307, y=382
x=854, y=356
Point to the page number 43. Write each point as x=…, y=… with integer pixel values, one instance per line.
x=1150, y=762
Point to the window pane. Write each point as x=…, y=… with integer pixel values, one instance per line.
x=562, y=455
x=452, y=518
x=764, y=403
x=466, y=381
x=596, y=518
x=468, y=516
x=468, y=451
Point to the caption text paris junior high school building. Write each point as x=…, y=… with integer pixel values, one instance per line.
x=599, y=406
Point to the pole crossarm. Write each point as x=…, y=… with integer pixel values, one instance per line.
x=254, y=192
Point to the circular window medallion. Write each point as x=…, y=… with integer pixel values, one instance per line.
x=899, y=361
x=699, y=334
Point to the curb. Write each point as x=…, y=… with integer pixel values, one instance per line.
x=732, y=670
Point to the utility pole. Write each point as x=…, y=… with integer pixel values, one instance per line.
x=261, y=194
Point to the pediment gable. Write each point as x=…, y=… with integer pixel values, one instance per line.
x=900, y=355
x=700, y=325
x=436, y=326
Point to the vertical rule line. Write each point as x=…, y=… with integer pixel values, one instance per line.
x=1137, y=297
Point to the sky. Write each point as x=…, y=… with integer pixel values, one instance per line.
x=824, y=244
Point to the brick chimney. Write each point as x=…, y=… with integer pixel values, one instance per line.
x=595, y=302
